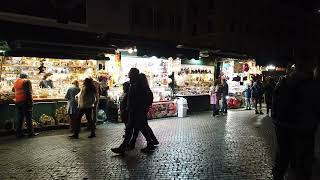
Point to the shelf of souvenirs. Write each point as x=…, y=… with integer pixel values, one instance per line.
x=193, y=91
x=160, y=93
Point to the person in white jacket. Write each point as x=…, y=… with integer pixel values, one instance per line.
x=86, y=101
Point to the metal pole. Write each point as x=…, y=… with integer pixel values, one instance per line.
x=1, y=64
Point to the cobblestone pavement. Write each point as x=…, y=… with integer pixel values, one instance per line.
x=236, y=146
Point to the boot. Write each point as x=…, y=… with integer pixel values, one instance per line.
x=119, y=150
x=92, y=135
x=131, y=146
x=150, y=147
x=74, y=136
x=155, y=142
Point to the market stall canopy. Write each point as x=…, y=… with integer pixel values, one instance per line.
x=56, y=50
x=39, y=41
x=151, y=47
x=162, y=51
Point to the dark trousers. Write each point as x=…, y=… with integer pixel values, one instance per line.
x=214, y=109
x=23, y=113
x=73, y=121
x=295, y=147
x=224, y=104
x=258, y=100
x=137, y=122
x=136, y=133
x=77, y=123
x=268, y=103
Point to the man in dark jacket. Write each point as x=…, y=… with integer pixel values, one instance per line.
x=295, y=126
x=269, y=87
x=257, y=95
x=136, y=119
x=225, y=92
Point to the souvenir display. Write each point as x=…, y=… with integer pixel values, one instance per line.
x=194, y=80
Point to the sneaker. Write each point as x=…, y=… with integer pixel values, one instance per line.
x=74, y=136
x=92, y=136
x=149, y=148
x=119, y=150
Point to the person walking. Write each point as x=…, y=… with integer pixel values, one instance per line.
x=295, y=126
x=86, y=101
x=224, y=94
x=124, y=114
x=24, y=103
x=136, y=107
x=247, y=95
x=257, y=95
x=96, y=105
x=214, y=98
x=269, y=87
x=144, y=85
x=72, y=106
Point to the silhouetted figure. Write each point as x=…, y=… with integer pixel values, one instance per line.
x=72, y=106
x=269, y=87
x=294, y=113
x=257, y=95
x=24, y=104
x=137, y=107
x=144, y=86
x=224, y=94
x=86, y=102
x=124, y=112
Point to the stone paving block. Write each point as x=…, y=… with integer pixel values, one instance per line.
x=196, y=147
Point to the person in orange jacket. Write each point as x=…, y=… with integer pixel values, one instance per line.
x=24, y=103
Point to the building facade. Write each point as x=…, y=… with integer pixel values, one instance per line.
x=257, y=28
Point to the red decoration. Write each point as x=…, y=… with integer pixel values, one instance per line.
x=245, y=67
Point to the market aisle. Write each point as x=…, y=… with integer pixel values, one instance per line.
x=237, y=146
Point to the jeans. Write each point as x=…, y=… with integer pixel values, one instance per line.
x=295, y=147
x=91, y=124
x=23, y=113
x=248, y=103
x=224, y=104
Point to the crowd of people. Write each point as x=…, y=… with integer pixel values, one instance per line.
x=294, y=110
x=83, y=101
x=257, y=92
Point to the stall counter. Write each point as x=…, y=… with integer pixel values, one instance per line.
x=197, y=103
x=162, y=109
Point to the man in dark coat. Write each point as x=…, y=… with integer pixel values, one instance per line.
x=295, y=126
x=224, y=94
x=136, y=109
x=257, y=95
